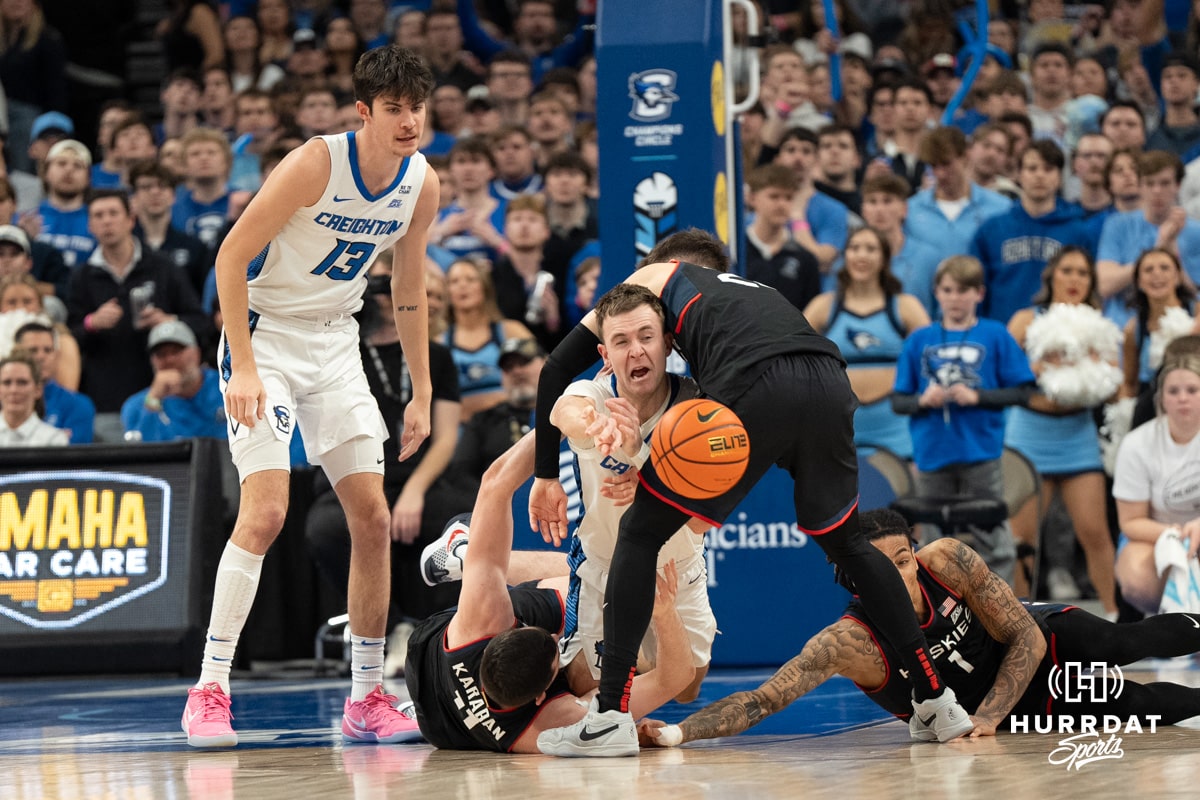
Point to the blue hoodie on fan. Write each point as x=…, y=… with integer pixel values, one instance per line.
x=1014, y=248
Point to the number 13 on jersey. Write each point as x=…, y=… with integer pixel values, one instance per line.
x=355, y=256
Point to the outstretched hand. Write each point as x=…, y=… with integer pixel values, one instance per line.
x=548, y=510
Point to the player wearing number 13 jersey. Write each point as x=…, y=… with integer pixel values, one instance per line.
x=289, y=275
x=750, y=349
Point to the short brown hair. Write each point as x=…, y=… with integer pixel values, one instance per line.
x=942, y=145
x=625, y=297
x=472, y=146
x=694, y=246
x=517, y=666
x=772, y=176
x=966, y=271
x=198, y=135
x=1153, y=161
x=890, y=183
x=526, y=202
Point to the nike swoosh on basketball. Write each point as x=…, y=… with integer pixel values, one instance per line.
x=708, y=416
x=586, y=736
x=380, y=461
x=337, y=199
x=927, y=721
x=1194, y=623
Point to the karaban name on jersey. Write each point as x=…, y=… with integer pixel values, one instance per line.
x=318, y=262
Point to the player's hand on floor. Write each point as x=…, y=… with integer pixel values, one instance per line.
x=621, y=489
x=548, y=510
x=650, y=734
x=982, y=728
x=245, y=398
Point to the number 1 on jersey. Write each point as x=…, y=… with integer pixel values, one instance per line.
x=358, y=255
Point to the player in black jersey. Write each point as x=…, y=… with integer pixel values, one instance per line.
x=992, y=649
x=750, y=349
x=485, y=675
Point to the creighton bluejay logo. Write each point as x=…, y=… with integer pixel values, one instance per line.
x=654, y=202
x=652, y=92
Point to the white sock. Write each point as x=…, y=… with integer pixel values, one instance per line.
x=366, y=665
x=233, y=595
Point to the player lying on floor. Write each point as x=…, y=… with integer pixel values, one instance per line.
x=486, y=675
x=991, y=649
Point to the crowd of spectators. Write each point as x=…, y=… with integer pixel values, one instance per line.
x=1079, y=131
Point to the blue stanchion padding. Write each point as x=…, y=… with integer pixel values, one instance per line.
x=835, y=61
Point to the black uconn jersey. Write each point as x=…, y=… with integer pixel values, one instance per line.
x=967, y=657
x=444, y=684
x=729, y=328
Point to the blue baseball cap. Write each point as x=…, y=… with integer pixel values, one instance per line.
x=51, y=121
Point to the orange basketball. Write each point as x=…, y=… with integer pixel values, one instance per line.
x=699, y=449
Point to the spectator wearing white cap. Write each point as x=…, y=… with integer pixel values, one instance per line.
x=941, y=76
x=184, y=399
x=16, y=258
x=63, y=217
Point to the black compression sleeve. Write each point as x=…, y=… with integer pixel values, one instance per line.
x=573, y=355
x=1005, y=396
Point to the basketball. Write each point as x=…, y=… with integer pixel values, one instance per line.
x=699, y=449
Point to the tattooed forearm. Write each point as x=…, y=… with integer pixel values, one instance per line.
x=1006, y=620
x=1016, y=671
x=844, y=647
x=407, y=308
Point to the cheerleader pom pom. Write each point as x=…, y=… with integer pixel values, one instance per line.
x=1073, y=332
x=1118, y=417
x=1086, y=383
x=1174, y=322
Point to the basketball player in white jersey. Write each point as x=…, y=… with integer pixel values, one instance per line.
x=289, y=276
x=630, y=397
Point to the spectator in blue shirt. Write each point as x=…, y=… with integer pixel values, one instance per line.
x=955, y=378
x=946, y=216
x=202, y=203
x=64, y=218
x=184, y=399
x=819, y=223
x=1014, y=247
x=885, y=207
x=1161, y=223
x=70, y=411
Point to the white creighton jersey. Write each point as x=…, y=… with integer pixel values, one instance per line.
x=598, y=527
x=318, y=263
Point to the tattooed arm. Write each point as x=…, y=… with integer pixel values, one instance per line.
x=1006, y=620
x=843, y=648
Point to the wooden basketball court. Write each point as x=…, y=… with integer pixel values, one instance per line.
x=117, y=738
